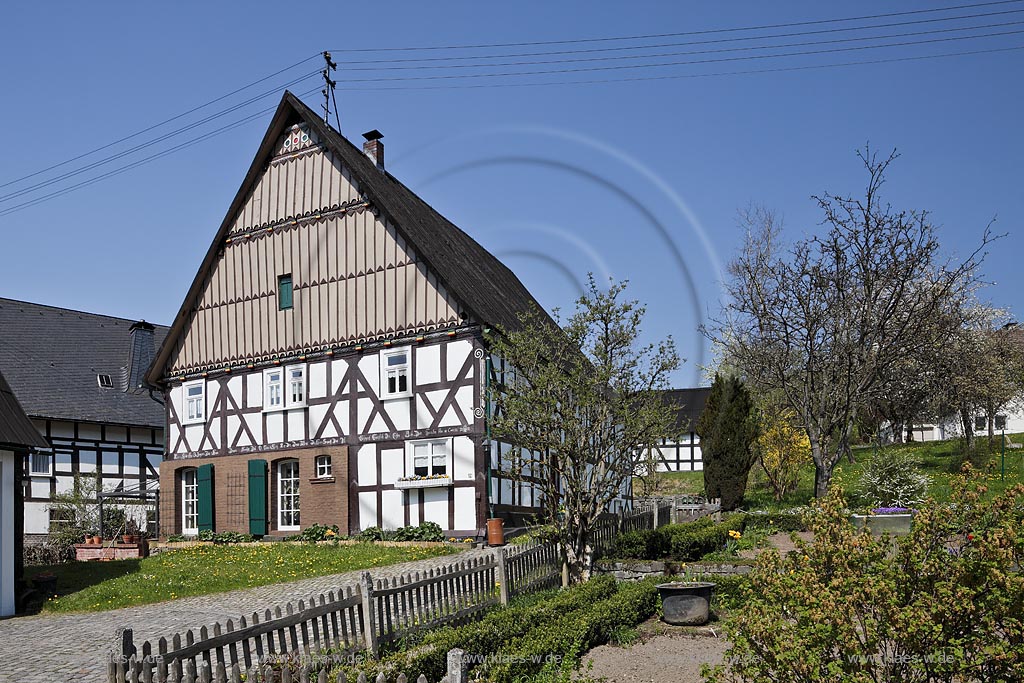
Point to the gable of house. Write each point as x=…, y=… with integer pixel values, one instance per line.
x=364, y=259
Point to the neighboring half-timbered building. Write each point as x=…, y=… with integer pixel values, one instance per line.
x=328, y=363
x=682, y=454
x=80, y=377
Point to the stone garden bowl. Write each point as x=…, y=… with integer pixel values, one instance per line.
x=686, y=603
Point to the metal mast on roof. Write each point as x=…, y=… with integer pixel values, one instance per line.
x=328, y=91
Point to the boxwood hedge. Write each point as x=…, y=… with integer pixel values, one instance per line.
x=680, y=542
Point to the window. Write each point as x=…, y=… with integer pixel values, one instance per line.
x=288, y=495
x=324, y=469
x=296, y=386
x=273, y=389
x=980, y=422
x=40, y=465
x=195, y=401
x=104, y=381
x=1000, y=422
x=284, y=292
x=189, y=502
x=395, y=373
x=429, y=458
x=284, y=387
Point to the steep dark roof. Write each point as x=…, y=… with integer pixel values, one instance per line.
x=52, y=356
x=485, y=286
x=689, y=404
x=15, y=427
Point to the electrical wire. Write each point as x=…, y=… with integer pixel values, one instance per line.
x=678, y=63
x=714, y=41
x=762, y=27
x=157, y=125
x=696, y=52
x=145, y=160
x=634, y=79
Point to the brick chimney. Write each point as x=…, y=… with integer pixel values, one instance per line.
x=374, y=148
x=140, y=354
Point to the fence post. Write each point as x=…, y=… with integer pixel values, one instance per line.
x=127, y=644
x=457, y=670
x=369, y=623
x=502, y=572
x=565, y=565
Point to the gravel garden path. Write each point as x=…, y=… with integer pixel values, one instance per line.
x=675, y=654
x=66, y=648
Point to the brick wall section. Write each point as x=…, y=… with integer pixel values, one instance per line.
x=321, y=501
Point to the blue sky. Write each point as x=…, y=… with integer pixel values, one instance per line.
x=633, y=179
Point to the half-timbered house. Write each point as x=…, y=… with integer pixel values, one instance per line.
x=328, y=364
x=682, y=453
x=81, y=379
x=17, y=436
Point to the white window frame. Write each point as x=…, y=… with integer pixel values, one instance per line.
x=187, y=415
x=385, y=370
x=190, y=493
x=32, y=472
x=287, y=401
x=295, y=496
x=324, y=467
x=268, y=384
x=410, y=457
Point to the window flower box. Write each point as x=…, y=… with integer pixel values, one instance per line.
x=423, y=482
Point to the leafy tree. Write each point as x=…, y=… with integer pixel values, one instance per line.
x=727, y=430
x=578, y=402
x=941, y=604
x=782, y=449
x=825, y=320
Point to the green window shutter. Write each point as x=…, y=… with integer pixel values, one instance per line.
x=258, y=497
x=204, y=493
x=284, y=292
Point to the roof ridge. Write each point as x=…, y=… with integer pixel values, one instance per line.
x=64, y=309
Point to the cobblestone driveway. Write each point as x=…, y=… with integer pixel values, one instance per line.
x=72, y=647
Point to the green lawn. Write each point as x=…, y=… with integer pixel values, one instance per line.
x=940, y=460
x=198, y=570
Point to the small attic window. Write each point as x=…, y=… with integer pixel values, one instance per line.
x=104, y=381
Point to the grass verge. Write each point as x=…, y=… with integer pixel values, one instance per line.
x=200, y=570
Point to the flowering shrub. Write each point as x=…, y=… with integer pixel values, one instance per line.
x=317, y=532
x=893, y=479
x=941, y=604
x=782, y=449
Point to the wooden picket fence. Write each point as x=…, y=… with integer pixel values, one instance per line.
x=451, y=595
x=533, y=567
x=364, y=617
x=285, y=672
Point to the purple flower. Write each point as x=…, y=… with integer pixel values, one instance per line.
x=891, y=511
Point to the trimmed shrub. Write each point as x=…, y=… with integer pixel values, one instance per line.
x=777, y=521
x=498, y=627
x=571, y=635
x=645, y=544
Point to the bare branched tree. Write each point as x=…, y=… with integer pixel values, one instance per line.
x=825, y=321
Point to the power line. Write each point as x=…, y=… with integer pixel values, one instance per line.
x=713, y=41
x=628, y=79
x=678, y=63
x=144, y=160
x=166, y=136
x=696, y=52
x=157, y=125
x=677, y=34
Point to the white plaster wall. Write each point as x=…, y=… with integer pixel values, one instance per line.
x=7, y=484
